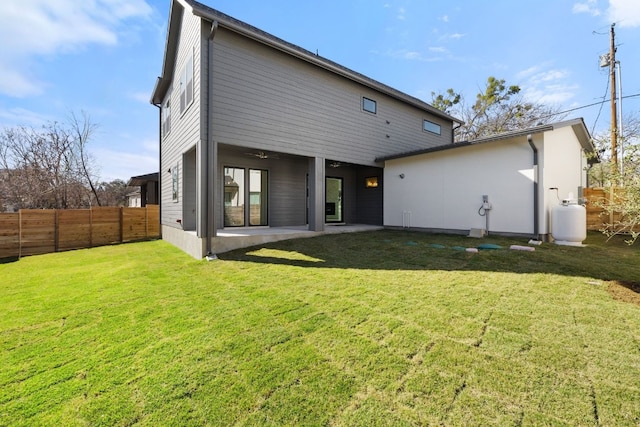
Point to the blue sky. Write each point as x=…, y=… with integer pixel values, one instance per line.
x=103, y=56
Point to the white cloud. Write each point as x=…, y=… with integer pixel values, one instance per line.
x=123, y=165
x=401, y=14
x=38, y=28
x=411, y=55
x=552, y=94
x=143, y=97
x=455, y=35
x=21, y=117
x=444, y=18
x=589, y=6
x=624, y=12
x=547, y=85
x=17, y=81
x=437, y=49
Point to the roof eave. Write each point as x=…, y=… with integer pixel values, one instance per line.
x=171, y=45
x=579, y=128
x=263, y=37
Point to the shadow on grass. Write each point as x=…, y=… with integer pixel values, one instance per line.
x=407, y=250
x=8, y=260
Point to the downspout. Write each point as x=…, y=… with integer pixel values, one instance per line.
x=159, y=192
x=453, y=133
x=536, y=201
x=210, y=154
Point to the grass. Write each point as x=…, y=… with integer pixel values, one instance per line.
x=366, y=329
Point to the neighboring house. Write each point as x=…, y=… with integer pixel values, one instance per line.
x=523, y=173
x=147, y=194
x=257, y=132
x=134, y=199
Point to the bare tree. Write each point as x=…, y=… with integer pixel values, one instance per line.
x=113, y=193
x=47, y=167
x=82, y=131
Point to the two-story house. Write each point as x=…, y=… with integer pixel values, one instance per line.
x=258, y=132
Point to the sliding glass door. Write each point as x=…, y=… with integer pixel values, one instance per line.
x=333, y=200
x=235, y=189
x=258, y=197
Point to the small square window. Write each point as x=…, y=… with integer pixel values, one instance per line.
x=371, y=182
x=431, y=127
x=369, y=105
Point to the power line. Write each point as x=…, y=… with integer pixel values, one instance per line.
x=588, y=105
x=600, y=110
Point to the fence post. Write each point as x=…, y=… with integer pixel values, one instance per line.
x=19, y=233
x=611, y=210
x=121, y=224
x=56, y=231
x=90, y=227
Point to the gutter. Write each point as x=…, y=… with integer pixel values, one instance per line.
x=536, y=198
x=159, y=192
x=210, y=154
x=453, y=132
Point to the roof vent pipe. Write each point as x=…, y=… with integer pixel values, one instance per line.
x=536, y=201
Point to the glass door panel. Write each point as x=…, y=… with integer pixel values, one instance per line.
x=234, y=188
x=333, y=200
x=258, y=197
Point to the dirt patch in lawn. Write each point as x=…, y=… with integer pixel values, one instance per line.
x=625, y=291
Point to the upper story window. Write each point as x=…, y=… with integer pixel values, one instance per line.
x=166, y=116
x=431, y=127
x=369, y=105
x=186, y=84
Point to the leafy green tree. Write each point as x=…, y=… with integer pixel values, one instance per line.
x=497, y=108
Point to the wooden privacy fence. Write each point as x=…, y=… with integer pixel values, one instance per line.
x=595, y=199
x=40, y=231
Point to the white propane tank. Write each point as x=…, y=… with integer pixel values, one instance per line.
x=569, y=223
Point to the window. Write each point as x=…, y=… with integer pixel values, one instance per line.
x=431, y=127
x=186, y=85
x=174, y=183
x=166, y=116
x=369, y=105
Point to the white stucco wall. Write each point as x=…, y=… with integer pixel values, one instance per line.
x=565, y=169
x=444, y=190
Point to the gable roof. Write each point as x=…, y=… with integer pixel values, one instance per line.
x=143, y=179
x=578, y=126
x=225, y=21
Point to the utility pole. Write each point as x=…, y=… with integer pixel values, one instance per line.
x=614, y=109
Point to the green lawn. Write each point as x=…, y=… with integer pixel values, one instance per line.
x=378, y=328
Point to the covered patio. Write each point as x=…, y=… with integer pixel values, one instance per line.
x=229, y=239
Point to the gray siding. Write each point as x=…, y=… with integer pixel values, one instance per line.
x=185, y=127
x=369, y=200
x=266, y=99
x=189, y=199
